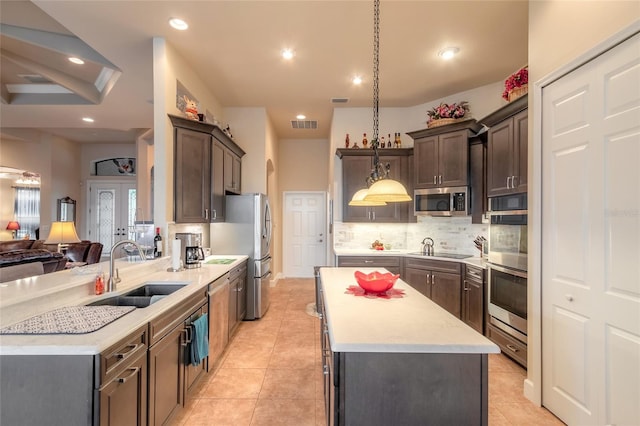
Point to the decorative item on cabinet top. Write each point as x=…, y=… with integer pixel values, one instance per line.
x=445, y=114
x=516, y=85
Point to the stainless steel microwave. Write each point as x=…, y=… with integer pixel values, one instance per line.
x=441, y=201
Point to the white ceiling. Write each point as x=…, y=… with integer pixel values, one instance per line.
x=234, y=47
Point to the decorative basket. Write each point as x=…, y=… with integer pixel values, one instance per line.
x=518, y=92
x=441, y=122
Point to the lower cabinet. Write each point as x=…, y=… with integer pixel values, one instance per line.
x=218, y=319
x=438, y=280
x=237, y=296
x=510, y=346
x=391, y=263
x=473, y=300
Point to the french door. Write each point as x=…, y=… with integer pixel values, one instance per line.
x=305, y=236
x=112, y=212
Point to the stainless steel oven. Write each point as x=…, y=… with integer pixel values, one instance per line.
x=508, y=300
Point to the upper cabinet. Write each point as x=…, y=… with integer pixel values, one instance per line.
x=207, y=165
x=441, y=154
x=356, y=166
x=507, y=145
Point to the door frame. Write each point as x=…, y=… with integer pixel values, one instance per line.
x=286, y=228
x=533, y=382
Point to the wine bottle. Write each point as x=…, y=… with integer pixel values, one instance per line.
x=157, y=244
x=364, y=140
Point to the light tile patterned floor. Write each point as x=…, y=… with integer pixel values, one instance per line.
x=270, y=374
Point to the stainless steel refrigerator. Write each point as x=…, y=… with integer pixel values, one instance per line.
x=247, y=230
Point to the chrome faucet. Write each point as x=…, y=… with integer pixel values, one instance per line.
x=427, y=246
x=115, y=279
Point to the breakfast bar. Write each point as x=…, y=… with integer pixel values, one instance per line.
x=398, y=359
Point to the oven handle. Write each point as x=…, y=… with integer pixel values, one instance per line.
x=516, y=272
x=507, y=212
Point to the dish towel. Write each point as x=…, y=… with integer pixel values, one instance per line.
x=199, y=342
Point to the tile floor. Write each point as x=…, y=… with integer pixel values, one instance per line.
x=270, y=374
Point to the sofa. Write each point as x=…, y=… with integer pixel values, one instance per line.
x=16, y=252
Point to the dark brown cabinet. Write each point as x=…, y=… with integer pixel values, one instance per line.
x=356, y=167
x=232, y=172
x=438, y=280
x=237, y=296
x=217, y=182
x=441, y=155
x=507, y=147
x=218, y=319
x=477, y=178
x=473, y=301
x=390, y=263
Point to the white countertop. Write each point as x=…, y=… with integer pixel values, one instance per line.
x=472, y=260
x=411, y=324
x=22, y=299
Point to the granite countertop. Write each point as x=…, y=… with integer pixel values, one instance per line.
x=25, y=298
x=472, y=260
x=410, y=324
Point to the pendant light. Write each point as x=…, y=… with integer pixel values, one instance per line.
x=380, y=187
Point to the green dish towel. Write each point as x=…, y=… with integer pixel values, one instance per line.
x=199, y=342
x=220, y=261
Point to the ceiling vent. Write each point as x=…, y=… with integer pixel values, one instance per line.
x=339, y=100
x=34, y=78
x=304, y=124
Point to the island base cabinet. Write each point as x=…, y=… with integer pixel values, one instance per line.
x=408, y=389
x=166, y=377
x=123, y=401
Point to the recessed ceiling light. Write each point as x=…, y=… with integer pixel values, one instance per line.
x=75, y=60
x=88, y=119
x=448, y=53
x=301, y=116
x=178, y=24
x=287, y=54
x=357, y=80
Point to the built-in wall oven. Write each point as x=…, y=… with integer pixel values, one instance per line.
x=507, y=267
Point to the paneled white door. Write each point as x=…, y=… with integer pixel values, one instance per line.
x=305, y=236
x=591, y=241
x=112, y=212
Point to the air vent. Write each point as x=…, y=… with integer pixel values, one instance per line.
x=34, y=78
x=304, y=124
x=339, y=100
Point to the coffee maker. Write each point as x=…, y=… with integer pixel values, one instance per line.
x=192, y=254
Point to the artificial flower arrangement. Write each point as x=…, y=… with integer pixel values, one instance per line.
x=447, y=111
x=517, y=80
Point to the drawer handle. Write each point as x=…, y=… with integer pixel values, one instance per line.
x=125, y=354
x=134, y=372
x=368, y=261
x=325, y=370
x=512, y=348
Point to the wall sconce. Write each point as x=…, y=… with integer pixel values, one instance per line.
x=13, y=226
x=63, y=234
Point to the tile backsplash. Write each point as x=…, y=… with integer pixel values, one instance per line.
x=451, y=235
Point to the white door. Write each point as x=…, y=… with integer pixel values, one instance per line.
x=305, y=236
x=112, y=211
x=591, y=241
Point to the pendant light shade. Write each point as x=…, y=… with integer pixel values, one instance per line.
x=358, y=199
x=387, y=190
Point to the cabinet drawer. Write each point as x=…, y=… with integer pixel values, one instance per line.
x=474, y=273
x=510, y=346
x=369, y=261
x=238, y=271
x=169, y=320
x=433, y=265
x=113, y=360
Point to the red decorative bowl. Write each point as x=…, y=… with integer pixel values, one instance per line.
x=376, y=282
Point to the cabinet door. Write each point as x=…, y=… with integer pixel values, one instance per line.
x=237, y=174
x=166, y=377
x=354, y=173
x=477, y=181
x=394, y=212
x=499, y=158
x=217, y=182
x=473, y=305
x=228, y=171
x=192, y=181
x=218, y=323
x=193, y=372
x=242, y=296
x=418, y=279
x=123, y=401
x=453, y=159
x=521, y=139
x=446, y=292
x=233, y=306
x=425, y=155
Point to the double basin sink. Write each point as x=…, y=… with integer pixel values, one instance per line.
x=143, y=296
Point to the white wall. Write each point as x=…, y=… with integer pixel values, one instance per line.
x=303, y=164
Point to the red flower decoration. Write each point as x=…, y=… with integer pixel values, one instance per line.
x=515, y=80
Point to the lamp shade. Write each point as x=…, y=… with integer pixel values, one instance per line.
x=62, y=233
x=13, y=225
x=358, y=199
x=387, y=190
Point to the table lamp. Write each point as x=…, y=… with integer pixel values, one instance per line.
x=62, y=233
x=13, y=226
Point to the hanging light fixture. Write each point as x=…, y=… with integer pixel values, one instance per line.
x=381, y=189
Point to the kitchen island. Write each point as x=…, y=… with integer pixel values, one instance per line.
x=132, y=369
x=402, y=360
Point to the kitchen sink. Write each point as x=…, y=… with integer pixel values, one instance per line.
x=142, y=296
